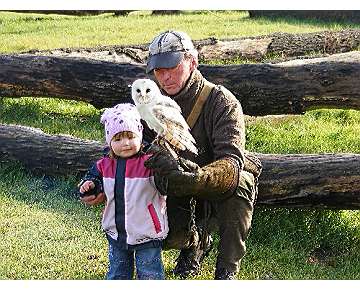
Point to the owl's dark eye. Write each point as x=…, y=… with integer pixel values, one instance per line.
x=138, y=90
x=148, y=90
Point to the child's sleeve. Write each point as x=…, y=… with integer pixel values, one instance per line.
x=94, y=175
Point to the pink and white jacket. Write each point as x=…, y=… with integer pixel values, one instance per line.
x=135, y=211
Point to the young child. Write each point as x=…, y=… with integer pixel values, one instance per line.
x=134, y=219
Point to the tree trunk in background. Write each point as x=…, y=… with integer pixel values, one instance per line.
x=280, y=46
x=263, y=89
x=324, y=15
x=326, y=181
x=165, y=12
x=47, y=154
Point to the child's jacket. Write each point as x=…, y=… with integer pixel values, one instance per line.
x=135, y=212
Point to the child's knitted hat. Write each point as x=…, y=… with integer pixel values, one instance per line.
x=122, y=117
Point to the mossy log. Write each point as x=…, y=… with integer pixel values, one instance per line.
x=296, y=180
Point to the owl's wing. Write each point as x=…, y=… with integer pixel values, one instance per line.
x=167, y=102
x=177, y=131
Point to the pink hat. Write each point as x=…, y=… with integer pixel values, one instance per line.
x=122, y=117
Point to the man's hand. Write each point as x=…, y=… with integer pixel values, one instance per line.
x=161, y=161
x=93, y=199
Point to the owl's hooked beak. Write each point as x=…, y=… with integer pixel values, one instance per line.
x=144, y=99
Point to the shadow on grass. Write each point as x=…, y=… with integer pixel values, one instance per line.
x=70, y=223
x=29, y=110
x=306, y=228
x=23, y=111
x=29, y=188
x=316, y=237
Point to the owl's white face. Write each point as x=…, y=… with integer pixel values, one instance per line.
x=143, y=91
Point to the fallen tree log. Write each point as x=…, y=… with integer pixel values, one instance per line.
x=281, y=45
x=326, y=180
x=277, y=46
x=263, y=89
x=297, y=180
x=42, y=153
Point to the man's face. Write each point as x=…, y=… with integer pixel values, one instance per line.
x=172, y=80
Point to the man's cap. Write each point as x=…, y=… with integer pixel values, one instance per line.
x=168, y=48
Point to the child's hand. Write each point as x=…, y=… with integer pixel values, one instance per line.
x=93, y=200
x=86, y=186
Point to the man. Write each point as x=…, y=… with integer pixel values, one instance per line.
x=216, y=178
x=214, y=189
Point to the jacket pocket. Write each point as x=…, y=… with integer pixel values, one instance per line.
x=155, y=218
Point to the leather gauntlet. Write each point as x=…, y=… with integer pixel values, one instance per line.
x=217, y=180
x=182, y=177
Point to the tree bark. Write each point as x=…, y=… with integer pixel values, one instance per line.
x=42, y=153
x=166, y=12
x=263, y=89
x=277, y=46
x=281, y=45
x=326, y=181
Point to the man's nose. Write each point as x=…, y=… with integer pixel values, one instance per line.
x=166, y=74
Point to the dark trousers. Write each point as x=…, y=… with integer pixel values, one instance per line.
x=231, y=216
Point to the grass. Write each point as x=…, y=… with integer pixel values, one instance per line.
x=21, y=32
x=47, y=234
x=53, y=116
x=317, y=131
x=309, y=243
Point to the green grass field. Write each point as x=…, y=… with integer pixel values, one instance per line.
x=46, y=233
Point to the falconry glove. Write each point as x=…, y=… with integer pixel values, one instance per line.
x=181, y=177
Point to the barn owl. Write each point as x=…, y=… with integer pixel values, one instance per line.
x=162, y=114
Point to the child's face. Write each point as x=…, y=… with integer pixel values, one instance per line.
x=126, y=146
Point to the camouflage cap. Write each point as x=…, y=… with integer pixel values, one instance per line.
x=168, y=48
